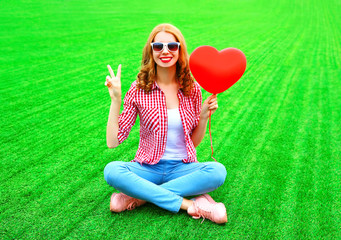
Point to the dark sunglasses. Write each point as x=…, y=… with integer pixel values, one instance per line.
x=158, y=46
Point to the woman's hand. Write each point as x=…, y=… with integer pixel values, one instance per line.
x=114, y=83
x=210, y=103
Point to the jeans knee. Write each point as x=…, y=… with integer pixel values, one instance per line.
x=218, y=173
x=111, y=172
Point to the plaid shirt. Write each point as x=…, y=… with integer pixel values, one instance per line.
x=152, y=109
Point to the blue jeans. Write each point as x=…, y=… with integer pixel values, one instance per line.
x=165, y=183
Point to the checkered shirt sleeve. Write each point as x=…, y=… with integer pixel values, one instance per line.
x=197, y=102
x=128, y=116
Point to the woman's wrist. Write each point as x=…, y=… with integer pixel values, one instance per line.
x=116, y=100
x=204, y=116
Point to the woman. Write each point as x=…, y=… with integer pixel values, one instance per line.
x=172, y=123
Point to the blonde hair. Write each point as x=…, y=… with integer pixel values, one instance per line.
x=147, y=75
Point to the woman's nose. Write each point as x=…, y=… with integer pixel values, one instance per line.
x=165, y=50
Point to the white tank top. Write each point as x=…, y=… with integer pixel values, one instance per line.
x=176, y=145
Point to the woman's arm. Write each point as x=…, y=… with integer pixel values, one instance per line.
x=114, y=86
x=119, y=125
x=112, y=125
x=199, y=132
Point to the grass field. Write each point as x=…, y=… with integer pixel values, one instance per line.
x=277, y=131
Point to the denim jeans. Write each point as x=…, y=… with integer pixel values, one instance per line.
x=165, y=183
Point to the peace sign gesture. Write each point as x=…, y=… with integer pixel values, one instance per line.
x=114, y=83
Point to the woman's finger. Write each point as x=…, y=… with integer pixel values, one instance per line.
x=111, y=71
x=108, y=81
x=119, y=72
x=214, y=101
x=108, y=78
x=212, y=98
x=213, y=107
x=213, y=104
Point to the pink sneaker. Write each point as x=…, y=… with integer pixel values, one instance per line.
x=202, y=207
x=120, y=202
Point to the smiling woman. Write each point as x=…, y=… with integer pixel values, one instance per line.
x=165, y=33
x=162, y=56
x=173, y=122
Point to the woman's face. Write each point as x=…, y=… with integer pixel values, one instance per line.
x=165, y=58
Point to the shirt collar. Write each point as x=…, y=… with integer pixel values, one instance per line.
x=155, y=85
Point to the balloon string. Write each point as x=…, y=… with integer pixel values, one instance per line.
x=209, y=128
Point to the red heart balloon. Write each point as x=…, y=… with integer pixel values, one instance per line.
x=217, y=71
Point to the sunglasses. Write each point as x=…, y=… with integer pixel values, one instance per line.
x=158, y=46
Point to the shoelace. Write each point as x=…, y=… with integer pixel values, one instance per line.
x=202, y=212
x=132, y=205
x=132, y=202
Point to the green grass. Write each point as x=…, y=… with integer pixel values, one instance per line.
x=277, y=130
